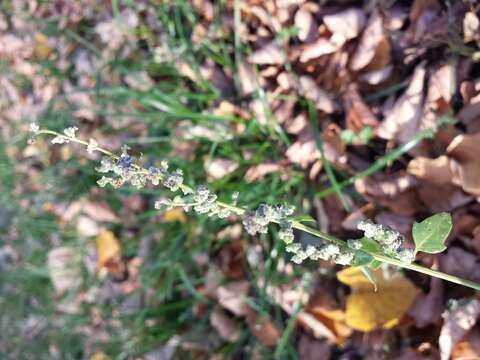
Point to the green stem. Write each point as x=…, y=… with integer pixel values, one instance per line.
x=299, y=226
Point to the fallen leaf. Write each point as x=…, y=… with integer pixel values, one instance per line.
x=268, y=54
x=435, y=171
x=464, y=151
x=175, y=214
x=233, y=297
x=471, y=25
x=99, y=355
x=427, y=309
x=469, y=348
x=41, y=48
x=440, y=91
x=314, y=349
x=460, y=263
x=345, y=25
x=108, y=250
x=258, y=172
x=457, y=322
x=322, y=100
x=366, y=308
x=359, y=115
x=226, y=327
x=64, y=269
x=303, y=151
x=371, y=38
x=307, y=27
x=263, y=329
x=377, y=76
x=316, y=49
x=218, y=168
x=403, y=121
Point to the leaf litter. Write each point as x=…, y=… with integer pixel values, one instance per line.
x=388, y=70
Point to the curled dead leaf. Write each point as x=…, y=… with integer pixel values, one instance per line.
x=464, y=150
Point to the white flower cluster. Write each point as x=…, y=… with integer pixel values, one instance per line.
x=257, y=221
x=390, y=241
x=328, y=252
x=70, y=133
x=206, y=203
x=127, y=172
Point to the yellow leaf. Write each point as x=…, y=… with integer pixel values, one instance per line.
x=99, y=355
x=108, y=248
x=366, y=308
x=40, y=44
x=175, y=214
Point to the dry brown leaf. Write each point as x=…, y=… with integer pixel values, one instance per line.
x=471, y=25
x=375, y=77
x=440, y=198
x=457, y=322
x=460, y=263
x=345, y=25
x=233, y=297
x=316, y=49
x=359, y=114
x=435, y=171
x=304, y=151
x=218, y=168
x=307, y=27
x=469, y=348
x=464, y=150
x=313, y=349
x=403, y=121
x=332, y=317
x=382, y=57
x=371, y=38
x=263, y=329
x=64, y=269
x=427, y=309
x=258, y=172
x=232, y=259
x=322, y=100
x=439, y=95
x=366, y=308
x=108, y=251
x=268, y=54
x=247, y=78
x=226, y=327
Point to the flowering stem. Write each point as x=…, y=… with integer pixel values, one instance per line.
x=296, y=224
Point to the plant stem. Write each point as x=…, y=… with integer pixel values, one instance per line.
x=299, y=226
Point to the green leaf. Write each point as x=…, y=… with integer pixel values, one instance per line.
x=304, y=218
x=366, y=271
x=430, y=234
x=362, y=258
x=370, y=245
